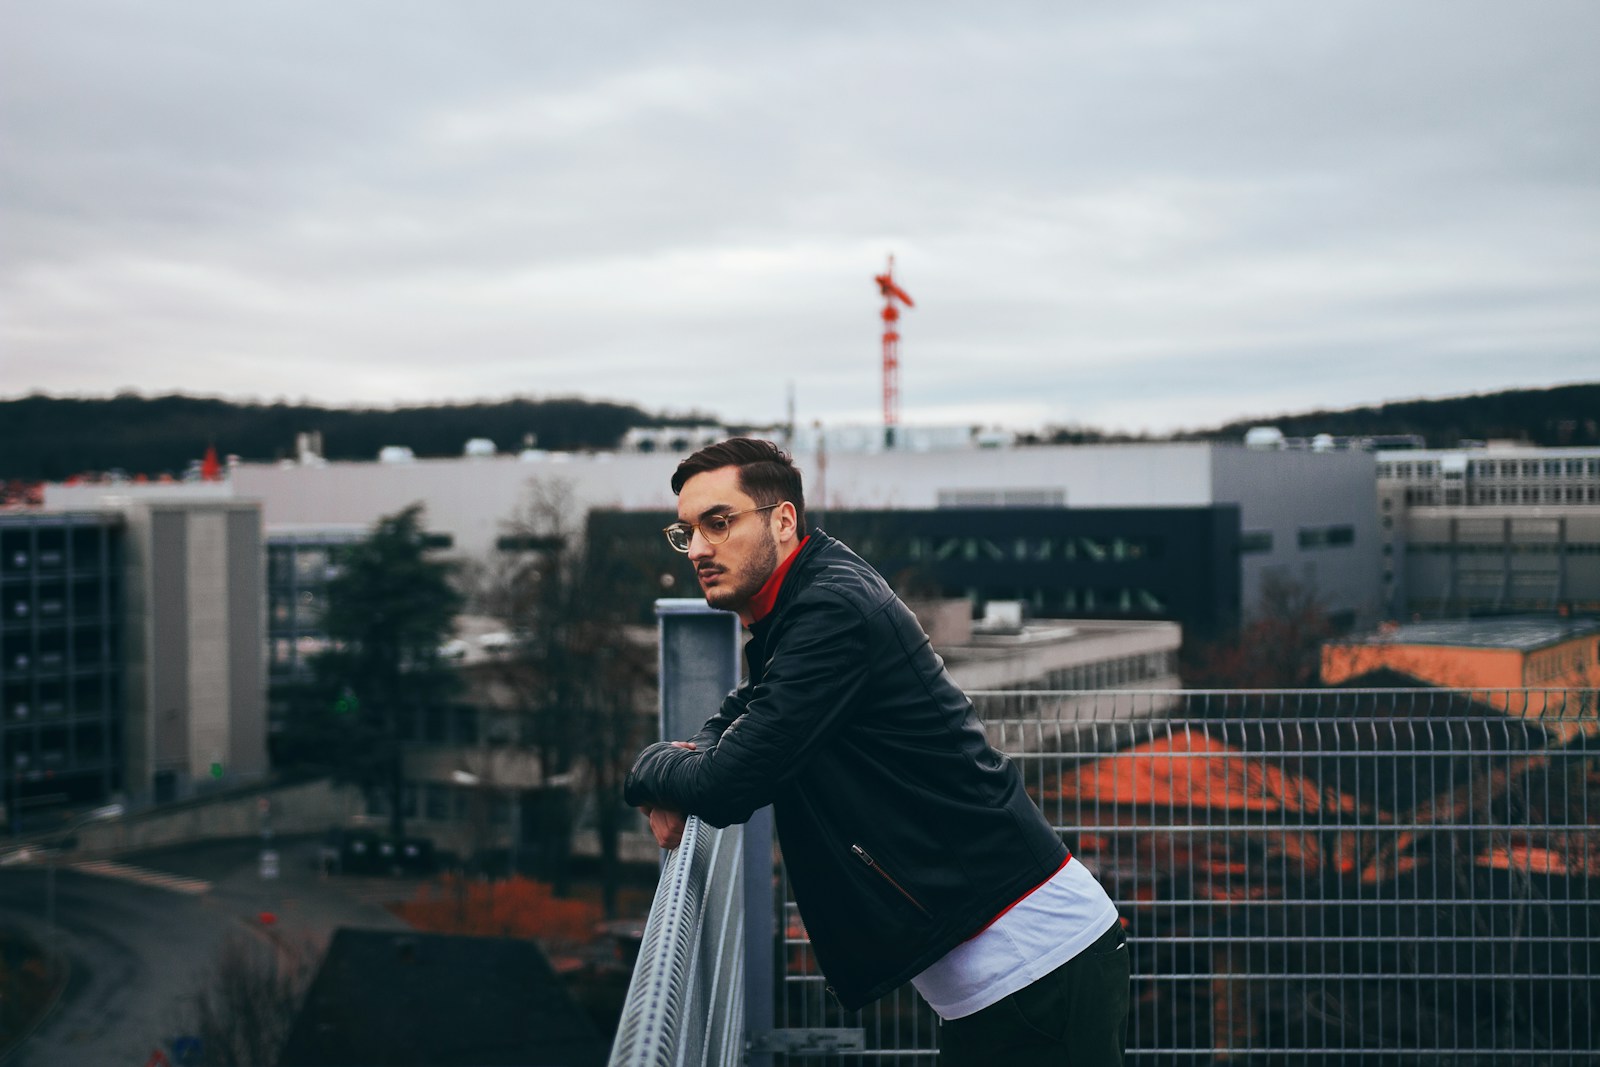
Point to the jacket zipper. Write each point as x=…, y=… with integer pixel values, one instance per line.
x=866, y=857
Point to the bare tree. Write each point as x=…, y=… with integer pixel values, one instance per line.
x=248, y=999
x=575, y=676
x=1279, y=647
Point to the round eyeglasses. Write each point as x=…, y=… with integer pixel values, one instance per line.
x=714, y=528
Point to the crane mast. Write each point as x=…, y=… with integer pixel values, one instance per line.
x=892, y=294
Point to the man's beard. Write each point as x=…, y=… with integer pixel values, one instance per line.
x=736, y=588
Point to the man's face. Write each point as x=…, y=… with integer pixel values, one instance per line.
x=734, y=571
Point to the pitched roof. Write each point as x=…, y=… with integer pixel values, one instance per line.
x=413, y=998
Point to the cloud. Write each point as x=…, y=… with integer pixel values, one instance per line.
x=1158, y=215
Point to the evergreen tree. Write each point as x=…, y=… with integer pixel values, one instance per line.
x=388, y=611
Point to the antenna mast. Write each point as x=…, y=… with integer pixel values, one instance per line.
x=891, y=350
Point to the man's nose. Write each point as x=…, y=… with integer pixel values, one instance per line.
x=699, y=547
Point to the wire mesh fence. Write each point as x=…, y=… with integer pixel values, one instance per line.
x=1393, y=876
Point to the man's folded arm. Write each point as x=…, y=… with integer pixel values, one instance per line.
x=711, y=732
x=815, y=675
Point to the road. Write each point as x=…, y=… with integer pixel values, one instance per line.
x=138, y=952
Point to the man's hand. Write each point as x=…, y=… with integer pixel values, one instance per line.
x=668, y=826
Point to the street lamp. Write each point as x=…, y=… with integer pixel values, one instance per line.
x=461, y=776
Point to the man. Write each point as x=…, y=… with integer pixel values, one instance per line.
x=914, y=852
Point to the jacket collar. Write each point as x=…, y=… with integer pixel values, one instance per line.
x=789, y=575
x=765, y=598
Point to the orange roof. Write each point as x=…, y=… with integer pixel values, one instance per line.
x=1189, y=769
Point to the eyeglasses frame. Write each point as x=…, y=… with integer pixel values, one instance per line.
x=695, y=527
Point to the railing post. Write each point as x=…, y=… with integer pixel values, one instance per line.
x=758, y=933
x=699, y=664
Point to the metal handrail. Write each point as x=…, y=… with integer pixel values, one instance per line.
x=685, y=1002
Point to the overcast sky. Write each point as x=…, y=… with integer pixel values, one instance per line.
x=1135, y=216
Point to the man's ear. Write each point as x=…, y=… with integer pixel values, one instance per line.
x=788, y=526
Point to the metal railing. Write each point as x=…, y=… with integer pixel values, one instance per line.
x=1318, y=877
x=685, y=1002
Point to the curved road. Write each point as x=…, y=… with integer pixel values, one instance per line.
x=139, y=952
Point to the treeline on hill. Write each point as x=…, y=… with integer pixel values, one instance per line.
x=43, y=437
x=51, y=438
x=1562, y=417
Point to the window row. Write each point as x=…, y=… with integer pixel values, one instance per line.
x=59, y=748
x=1428, y=470
x=1409, y=469
x=1503, y=548
x=1111, y=673
x=54, y=700
x=1034, y=549
x=1535, y=494
x=1326, y=536
x=1535, y=468
x=51, y=550
x=55, y=602
x=1069, y=600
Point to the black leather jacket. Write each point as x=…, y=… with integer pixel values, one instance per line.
x=904, y=833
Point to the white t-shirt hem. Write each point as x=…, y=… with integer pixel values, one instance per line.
x=1043, y=931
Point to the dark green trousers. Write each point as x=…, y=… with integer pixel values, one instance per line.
x=1075, y=1016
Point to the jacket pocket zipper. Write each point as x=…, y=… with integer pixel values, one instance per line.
x=866, y=857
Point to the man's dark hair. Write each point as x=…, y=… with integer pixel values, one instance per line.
x=767, y=474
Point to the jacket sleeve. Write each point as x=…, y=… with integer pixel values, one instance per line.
x=733, y=706
x=815, y=674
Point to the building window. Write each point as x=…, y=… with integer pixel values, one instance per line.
x=1326, y=536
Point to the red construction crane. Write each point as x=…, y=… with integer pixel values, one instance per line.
x=210, y=469
x=891, y=348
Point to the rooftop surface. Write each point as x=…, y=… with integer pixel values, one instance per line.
x=1524, y=633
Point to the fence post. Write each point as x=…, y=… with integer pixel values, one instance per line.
x=699, y=664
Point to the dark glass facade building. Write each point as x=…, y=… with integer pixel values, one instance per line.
x=62, y=695
x=1178, y=563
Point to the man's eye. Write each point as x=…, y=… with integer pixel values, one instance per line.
x=716, y=524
